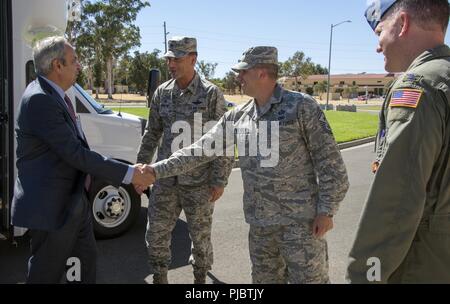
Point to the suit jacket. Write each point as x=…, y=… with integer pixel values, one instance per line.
x=52, y=161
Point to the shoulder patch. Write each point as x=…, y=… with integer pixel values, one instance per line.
x=324, y=123
x=408, y=98
x=412, y=78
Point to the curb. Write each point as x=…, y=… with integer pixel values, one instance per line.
x=341, y=146
x=355, y=143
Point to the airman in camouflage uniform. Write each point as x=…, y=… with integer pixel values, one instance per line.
x=177, y=100
x=290, y=203
x=406, y=220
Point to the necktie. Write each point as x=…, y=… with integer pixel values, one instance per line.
x=70, y=108
x=87, y=182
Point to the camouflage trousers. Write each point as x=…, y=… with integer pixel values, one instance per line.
x=165, y=205
x=287, y=253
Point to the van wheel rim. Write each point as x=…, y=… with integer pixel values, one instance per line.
x=111, y=206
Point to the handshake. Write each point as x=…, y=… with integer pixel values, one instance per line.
x=143, y=177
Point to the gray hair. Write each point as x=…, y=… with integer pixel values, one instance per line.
x=47, y=50
x=426, y=13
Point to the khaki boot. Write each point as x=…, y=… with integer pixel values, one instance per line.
x=160, y=277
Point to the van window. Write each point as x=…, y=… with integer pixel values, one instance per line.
x=80, y=108
x=30, y=72
x=99, y=108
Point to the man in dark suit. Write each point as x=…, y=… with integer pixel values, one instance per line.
x=54, y=165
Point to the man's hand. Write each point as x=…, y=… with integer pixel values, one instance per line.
x=143, y=177
x=216, y=193
x=322, y=224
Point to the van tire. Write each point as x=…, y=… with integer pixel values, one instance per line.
x=108, y=224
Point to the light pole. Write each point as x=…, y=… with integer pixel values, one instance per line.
x=329, y=59
x=165, y=48
x=367, y=94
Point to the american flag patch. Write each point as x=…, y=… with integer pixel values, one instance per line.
x=405, y=98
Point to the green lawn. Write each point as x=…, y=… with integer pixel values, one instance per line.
x=349, y=126
x=141, y=112
x=346, y=126
x=369, y=108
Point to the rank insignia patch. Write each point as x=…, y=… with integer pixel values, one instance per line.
x=324, y=123
x=412, y=78
x=405, y=98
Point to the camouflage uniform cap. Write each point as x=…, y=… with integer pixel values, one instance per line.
x=376, y=10
x=257, y=55
x=181, y=46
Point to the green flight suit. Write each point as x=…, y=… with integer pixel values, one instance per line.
x=406, y=219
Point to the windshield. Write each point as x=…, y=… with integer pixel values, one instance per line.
x=99, y=108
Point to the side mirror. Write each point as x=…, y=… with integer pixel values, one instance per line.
x=153, y=83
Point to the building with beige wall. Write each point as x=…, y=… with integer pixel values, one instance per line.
x=343, y=85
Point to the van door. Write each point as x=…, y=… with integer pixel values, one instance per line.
x=6, y=113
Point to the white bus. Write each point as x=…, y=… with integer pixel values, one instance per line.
x=115, y=135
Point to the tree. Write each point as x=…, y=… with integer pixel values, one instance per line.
x=320, y=70
x=98, y=76
x=81, y=79
x=74, y=28
x=218, y=82
x=122, y=70
x=80, y=35
x=87, y=59
x=162, y=67
x=110, y=26
x=320, y=87
x=140, y=66
x=351, y=91
x=230, y=82
x=298, y=66
x=206, y=69
x=285, y=68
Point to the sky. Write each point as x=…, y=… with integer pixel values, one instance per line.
x=225, y=29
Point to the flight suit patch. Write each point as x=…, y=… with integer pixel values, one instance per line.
x=406, y=98
x=412, y=78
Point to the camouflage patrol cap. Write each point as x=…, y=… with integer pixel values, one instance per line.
x=376, y=10
x=257, y=55
x=181, y=46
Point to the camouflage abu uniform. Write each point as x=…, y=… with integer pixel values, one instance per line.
x=406, y=219
x=280, y=202
x=189, y=191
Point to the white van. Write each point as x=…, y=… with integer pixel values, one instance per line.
x=115, y=135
